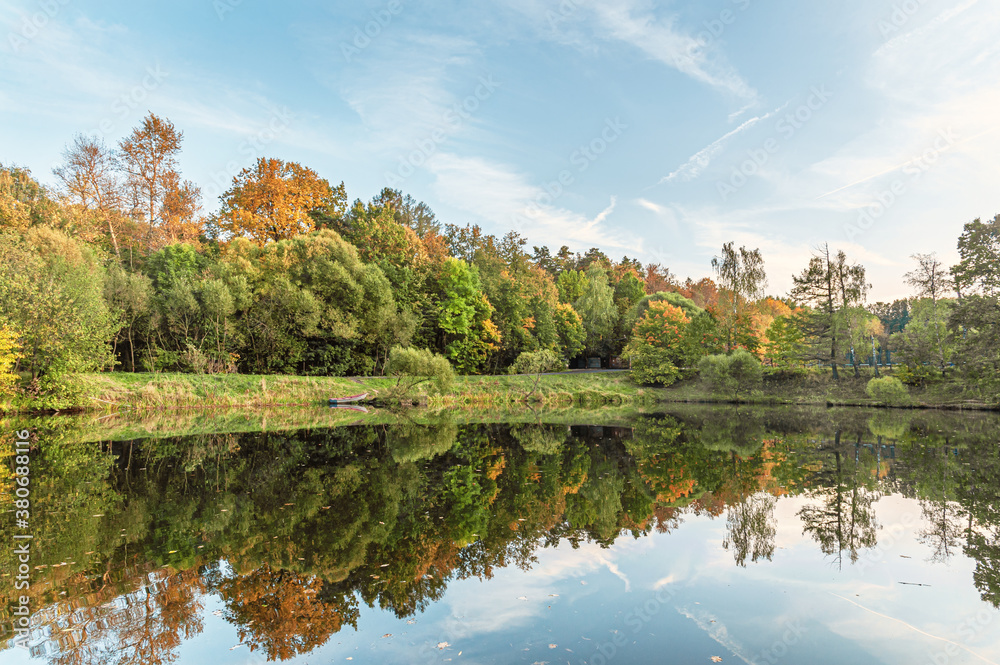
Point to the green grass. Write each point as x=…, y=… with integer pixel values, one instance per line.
x=818, y=388
x=109, y=393
x=105, y=393
x=562, y=390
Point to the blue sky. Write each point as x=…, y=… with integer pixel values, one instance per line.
x=654, y=129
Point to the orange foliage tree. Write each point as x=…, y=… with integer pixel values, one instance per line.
x=273, y=200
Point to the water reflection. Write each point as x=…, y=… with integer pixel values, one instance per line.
x=293, y=535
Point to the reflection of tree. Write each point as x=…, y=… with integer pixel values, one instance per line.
x=751, y=528
x=845, y=519
x=283, y=614
x=984, y=548
x=146, y=626
x=945, y=530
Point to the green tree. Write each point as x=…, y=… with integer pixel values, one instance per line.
x=925, y=342
x=596, y=307
x=51, y=291
x=570, y=330
x=742, y=278
x=975, y=319
x=784, y=348
x=829, y=285
x=469, y=334
x=130, y=295
x=412, y=367
x=734, y=375
x=571, y=284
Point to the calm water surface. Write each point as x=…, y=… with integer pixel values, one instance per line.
x=771, y=536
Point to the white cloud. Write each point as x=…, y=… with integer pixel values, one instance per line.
x=499, y=195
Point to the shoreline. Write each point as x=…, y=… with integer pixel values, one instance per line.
x=116, y=392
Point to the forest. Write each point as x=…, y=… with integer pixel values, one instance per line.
x=118, y=269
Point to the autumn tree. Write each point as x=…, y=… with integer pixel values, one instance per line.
x=10, y=353
x=24, y=202
x=181, y=213
x=656, y=348
x=658, y=278
x=89, y=178
x=148, y=157
x=273, y=200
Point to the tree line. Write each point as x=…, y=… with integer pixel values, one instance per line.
x=118, y=268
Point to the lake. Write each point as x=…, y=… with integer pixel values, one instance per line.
x=699, y=535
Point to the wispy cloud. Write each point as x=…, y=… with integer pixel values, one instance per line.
x=633, y=22
x=638, y=24
x=699, y=161
x=501, y=196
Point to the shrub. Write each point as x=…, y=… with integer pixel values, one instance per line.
x=538, y=362
x=415, y=366
x=888, y=390
x=655, y=366
x=734, y=375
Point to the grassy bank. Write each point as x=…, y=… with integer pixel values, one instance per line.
x=108, y=393
x=819, y=389
x=563, y=390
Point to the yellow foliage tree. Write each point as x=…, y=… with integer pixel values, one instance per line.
x=9, y=355
x=272, y=200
